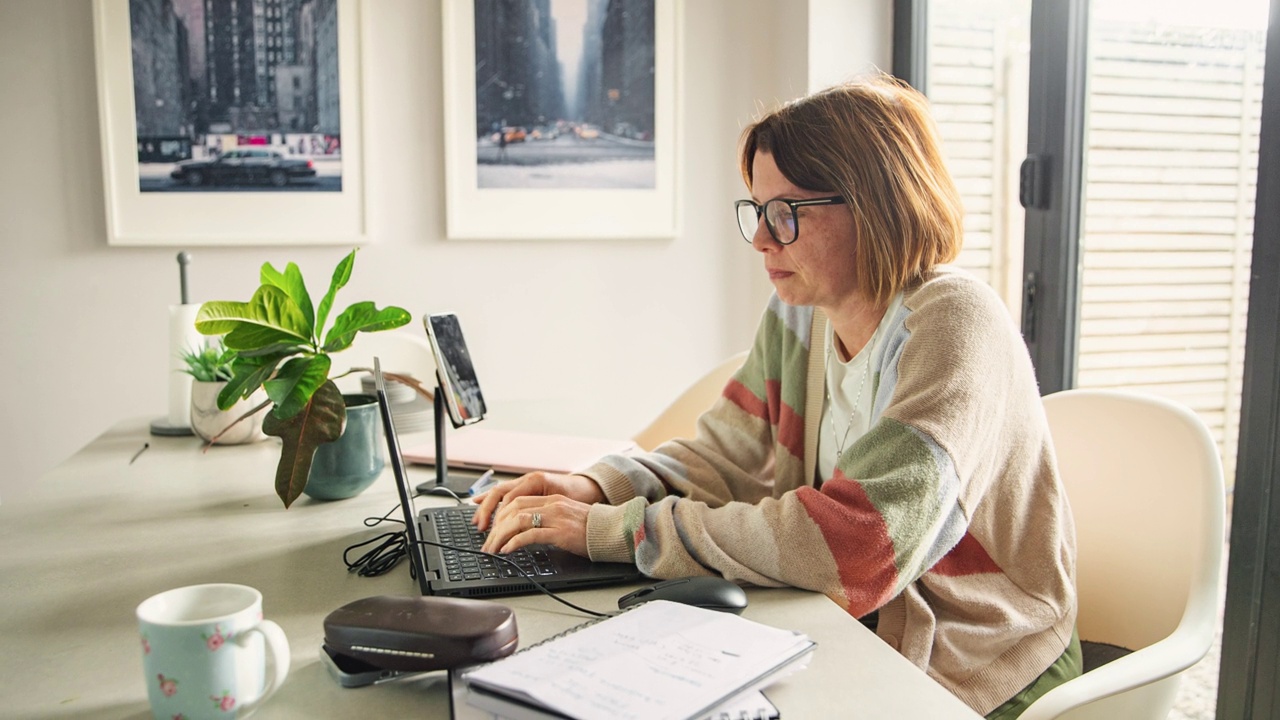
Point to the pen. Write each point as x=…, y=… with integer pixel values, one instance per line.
x=482, y=483
x=145, y=445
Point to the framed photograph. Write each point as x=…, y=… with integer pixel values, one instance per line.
x=231, y=123
x=561, y=118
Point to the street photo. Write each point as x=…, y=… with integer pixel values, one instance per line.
x=236, y=95
x=564, y=94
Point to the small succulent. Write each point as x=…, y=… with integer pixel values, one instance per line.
x=210, y=364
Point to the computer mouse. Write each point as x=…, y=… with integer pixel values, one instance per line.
x=705, y=591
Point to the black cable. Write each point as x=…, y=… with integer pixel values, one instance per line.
x=442, y=490
x=380, y=559
x=394, y=547
x=549, y=593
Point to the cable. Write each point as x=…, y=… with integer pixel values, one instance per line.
x=549, y=593
x=380, y=559
x=393, y=547
x=442, y=490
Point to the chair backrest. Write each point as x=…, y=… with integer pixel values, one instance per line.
x=1144, y=481
x=399, y=351
x=680, y=418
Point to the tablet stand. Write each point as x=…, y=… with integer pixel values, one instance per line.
x=459, y=485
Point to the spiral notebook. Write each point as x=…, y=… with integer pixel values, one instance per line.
x=657, y=660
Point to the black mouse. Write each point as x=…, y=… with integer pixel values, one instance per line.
x=704, y=591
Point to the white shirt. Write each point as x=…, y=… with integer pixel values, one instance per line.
x=850, y=392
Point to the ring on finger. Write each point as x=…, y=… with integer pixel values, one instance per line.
x=537, y=520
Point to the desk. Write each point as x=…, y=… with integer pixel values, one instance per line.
x=98, y=535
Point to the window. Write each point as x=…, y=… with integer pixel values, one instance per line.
x=1173, y=100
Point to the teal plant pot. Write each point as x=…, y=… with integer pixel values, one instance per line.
x=347, y=466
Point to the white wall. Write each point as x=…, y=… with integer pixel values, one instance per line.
x=596, y=335
x=848, y=38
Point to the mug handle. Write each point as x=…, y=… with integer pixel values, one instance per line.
x=277, y=646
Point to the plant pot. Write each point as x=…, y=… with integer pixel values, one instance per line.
x=346, y=466
x=207, y=421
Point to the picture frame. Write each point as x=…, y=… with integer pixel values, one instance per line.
x=495, y=191
x=145, y=201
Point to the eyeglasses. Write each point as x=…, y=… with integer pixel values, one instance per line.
x=779, y=216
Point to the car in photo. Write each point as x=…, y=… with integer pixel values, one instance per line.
x=544, y=132
x=515, y=134
x=244, y=166
x=587, y=132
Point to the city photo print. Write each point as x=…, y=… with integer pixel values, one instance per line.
x=565, y=111
x=236, y=95
x=564, y=93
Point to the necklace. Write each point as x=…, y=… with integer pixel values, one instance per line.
x=842, y=440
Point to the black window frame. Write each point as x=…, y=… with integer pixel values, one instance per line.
x=1052, y=177
x=1250, y=668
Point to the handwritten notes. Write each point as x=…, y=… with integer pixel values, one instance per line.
x=659, y=660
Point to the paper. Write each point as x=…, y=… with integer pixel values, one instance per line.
x=752, y=705
x=183, y=337
x=660, y=660
x=749, y=706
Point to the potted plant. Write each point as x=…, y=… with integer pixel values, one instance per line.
x=282, y=347
x=210, y=369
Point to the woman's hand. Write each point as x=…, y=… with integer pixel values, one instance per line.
x=546, y=519
x=572, y=487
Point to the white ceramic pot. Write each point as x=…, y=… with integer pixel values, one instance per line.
x=207, y=420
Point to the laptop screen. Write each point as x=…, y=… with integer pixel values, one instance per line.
x=415, y=548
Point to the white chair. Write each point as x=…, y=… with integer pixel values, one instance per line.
x=1145, y=485
x=680, y=418
x=399, y=351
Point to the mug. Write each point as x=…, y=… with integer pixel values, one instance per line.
x=203, y=651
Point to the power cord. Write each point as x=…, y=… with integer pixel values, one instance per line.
x=392, y=547
x=388, y=552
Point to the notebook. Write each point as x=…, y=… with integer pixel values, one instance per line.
x=652, y=661
x=447, y=572
x=517, y=453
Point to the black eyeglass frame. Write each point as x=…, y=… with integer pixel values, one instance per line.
x=793, y=204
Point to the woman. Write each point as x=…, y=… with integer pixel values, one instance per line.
x=884, y=443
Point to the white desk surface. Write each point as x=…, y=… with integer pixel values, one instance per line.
x=97, y=535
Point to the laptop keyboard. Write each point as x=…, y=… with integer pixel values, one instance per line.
x=453, y=527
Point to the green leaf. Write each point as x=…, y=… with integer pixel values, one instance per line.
x=291, y=389
x=220, y=316
x=362, y=317
x=248, y=374
x=251, y=340
x=282, y=348
x=341, y=275
x=292, y=284
x=319, y=422
x=269, y=318
x=269, y=275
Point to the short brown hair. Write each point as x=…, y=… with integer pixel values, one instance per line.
x=873, y=142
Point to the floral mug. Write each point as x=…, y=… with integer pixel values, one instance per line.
x=204, y=652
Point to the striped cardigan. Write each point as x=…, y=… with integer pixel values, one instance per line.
x=948, y=516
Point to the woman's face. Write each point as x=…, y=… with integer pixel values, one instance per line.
x=816, y=269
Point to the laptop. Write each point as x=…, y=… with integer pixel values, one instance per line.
x=460, y=574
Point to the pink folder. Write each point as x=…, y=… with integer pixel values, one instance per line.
x=517, y=452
